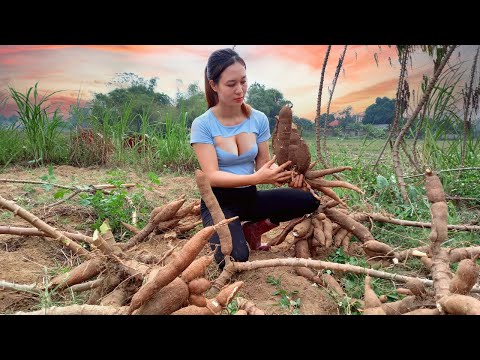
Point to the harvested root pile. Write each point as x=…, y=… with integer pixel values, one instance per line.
x=289, y=146
x=128, y=281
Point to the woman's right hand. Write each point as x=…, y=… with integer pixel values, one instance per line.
x=273, y=175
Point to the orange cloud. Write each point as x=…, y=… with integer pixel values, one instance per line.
x=314, y=55
x=361, y=99
x=13, y=49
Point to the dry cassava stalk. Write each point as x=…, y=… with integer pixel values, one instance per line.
x=360, y=216
x=42, y=226
x=13, y=230
x=78, y=310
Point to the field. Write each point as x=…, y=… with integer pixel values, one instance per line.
x=277, y=290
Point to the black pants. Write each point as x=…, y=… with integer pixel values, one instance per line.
x=250, y=204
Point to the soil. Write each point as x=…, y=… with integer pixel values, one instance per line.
x=33, y=259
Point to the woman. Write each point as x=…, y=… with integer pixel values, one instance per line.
x=230, y=141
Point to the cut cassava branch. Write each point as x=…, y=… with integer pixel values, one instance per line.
x=324, y=265
x=43, y=226
x=21, y=231
x=384, y=218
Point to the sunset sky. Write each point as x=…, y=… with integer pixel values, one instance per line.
x=294, y=70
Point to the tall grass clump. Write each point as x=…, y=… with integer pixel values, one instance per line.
x=42, y=128
x=174, y=151
x=118, y=137
x=10, y=142
x=443, y=138
x=11, y=145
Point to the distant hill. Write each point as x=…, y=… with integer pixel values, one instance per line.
x=7, y=121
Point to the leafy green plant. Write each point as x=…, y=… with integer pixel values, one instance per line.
x=287, y=298
x=113, y=207
x=232, y=307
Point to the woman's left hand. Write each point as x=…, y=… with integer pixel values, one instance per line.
x=297, y=182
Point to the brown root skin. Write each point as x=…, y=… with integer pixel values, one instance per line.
x=134, y=230
x=165, y=226
x=224, y=278
x=465, y=277
x=434, y=188
x=339, y=236
x=197, y=300
x=347, y=222
x=370, y=298
x=403, y=306
x=166, y=213
x=423, y=312
x=457, y=304
x=117, y=297
x=312, y=174
x=319, y=182
x=318, y=234
x=416, y=287
x=302, y=229
x=197, y=268
x=374, y=248
x=193, y=310
x=374, y=311
x=215, y=210
x=248, y=306
x=81, y=273
x=170, y=271
x=281, y=237
x=327, y=191
x=228, y=293
x=281, y=134
x=327, y=231
x=199, y=286
x=185, y=210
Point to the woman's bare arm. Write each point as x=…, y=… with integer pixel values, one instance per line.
x=263, y=155
x=207, y=157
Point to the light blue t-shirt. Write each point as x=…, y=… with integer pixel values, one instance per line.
x=206, y=127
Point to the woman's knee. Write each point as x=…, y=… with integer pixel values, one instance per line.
x=312, y=203
x=239, y=255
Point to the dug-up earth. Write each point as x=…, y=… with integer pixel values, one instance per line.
x=33, y=259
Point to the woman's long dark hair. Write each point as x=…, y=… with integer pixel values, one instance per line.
x=217, y=62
